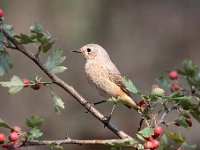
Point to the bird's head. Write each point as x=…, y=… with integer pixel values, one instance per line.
x=92, y=51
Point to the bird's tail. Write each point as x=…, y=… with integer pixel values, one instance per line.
x=127, y=100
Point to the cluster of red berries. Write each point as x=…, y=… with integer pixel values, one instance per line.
x=173, y=75
x=27, y=83
x=152, y=142
x=13, y=136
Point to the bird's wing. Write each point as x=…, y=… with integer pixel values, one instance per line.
x=118, y=79
x=115, y=76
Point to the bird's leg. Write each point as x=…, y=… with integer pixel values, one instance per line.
x=107, y=119
x=100, y=102
x=113, y=108
x=95, y=104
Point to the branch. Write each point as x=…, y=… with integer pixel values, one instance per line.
x=167, y=111
x=110, y=142
x=55, y=79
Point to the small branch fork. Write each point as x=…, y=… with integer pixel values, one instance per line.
x=167, y=111
x=55, y=79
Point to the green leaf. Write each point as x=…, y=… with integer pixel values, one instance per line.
x=182, y=72
x=140, y=137
x=130, y=86
x=4, y=124
x=182, y=121
x=193, y=109
x=25, y=39
x=186, y=104
x=8, y=27
x=58, y=103
x=2, y=37
x=163, y=81
x=185, y=98
x=175, y=137
x=164, y=143
x=34, y=122
x=189, y=67
x=35, y=133
x=36, y=28
x=175, y=94
x=2, y=47
x=5, y=62
x=54, y=60
x=195, y=114
x=58, y=69
x=15, y=85
x=47, y=46
x=191, y=146
x=113, y=99
x=146, y=132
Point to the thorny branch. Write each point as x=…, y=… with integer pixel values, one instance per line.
x=167, y=111
x=109, y=142
x=55, y=79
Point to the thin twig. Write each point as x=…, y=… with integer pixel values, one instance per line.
x=140, y=124
x=167, y=111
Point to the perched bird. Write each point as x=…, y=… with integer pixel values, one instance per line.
x=102, y=73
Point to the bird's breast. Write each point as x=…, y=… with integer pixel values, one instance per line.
x=99, y=77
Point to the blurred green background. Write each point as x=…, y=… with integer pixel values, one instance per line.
x=143, y=39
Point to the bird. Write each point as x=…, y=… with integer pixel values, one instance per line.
x=102, y=73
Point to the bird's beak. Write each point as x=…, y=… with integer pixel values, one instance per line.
x=77, y=51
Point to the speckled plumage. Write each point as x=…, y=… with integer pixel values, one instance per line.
x=103, y=74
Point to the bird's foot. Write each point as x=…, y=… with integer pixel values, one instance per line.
x=106, y=120
x=90, y=105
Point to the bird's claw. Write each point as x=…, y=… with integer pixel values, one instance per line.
x=91, y=105
x=106, y=120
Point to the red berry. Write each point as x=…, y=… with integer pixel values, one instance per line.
x=148, y=145
x=142, y=104
x=155, y=143
x=26, y=82
x=189, y=122
x=13, y=136
x=5, y=43
x=36, y=86
x=16, y=129
x=2, y=138
x=173, y=75
x=1, y=12
x=157, y=131
x=149, y=138
x=175, y=87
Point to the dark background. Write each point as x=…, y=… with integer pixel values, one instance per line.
x=143, y=38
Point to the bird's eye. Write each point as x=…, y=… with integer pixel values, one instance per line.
x=88, y=50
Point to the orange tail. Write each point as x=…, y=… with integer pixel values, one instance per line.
x=129, y=101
